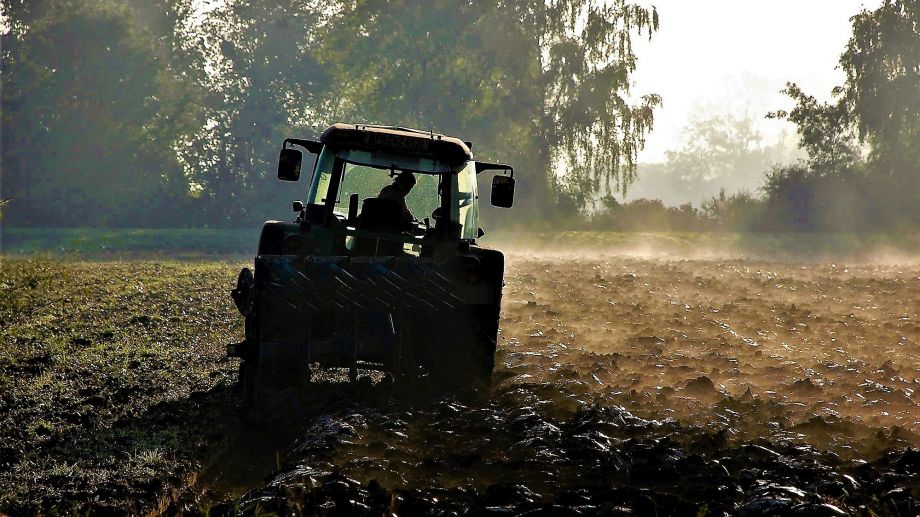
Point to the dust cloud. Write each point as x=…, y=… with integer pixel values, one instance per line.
x=638, y=382
x=824, y=340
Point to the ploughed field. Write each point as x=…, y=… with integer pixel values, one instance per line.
x=622, y=385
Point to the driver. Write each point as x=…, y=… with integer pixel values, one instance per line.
x=397, y=191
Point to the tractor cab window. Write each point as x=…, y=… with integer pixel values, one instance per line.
x=367, y=174
x=370, y=182
x=466, y=209
x=322, y=178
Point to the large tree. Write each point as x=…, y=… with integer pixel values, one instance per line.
x=882, y=89
x=545, y=85
x=879, y=103
x=265, y=85
x=92, y=115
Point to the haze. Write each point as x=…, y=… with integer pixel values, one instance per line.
x=729, y=55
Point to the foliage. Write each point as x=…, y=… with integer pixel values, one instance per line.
x=825, y=131
x=174, y=110
x=534, y=83
x=647, y=215
x=267, y=85
x=882, y=90
x=799, y=198
x=735, y=212
x=863, y=148
x=92, y=110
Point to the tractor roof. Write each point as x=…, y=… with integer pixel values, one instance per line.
x=398, y=140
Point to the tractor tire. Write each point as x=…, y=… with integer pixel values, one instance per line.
x=247, y=384
x=262, y=376
x=266, y=386
x=460, y=360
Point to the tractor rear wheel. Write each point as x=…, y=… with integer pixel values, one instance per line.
x=261, y=379
x=460, y=358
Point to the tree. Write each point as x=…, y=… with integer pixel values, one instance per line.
x=879, y=103
x=720, y=152
x=864, y=147
x=266, y=85
x=91, y=117
x=826, y=131
x=726, y=149
x=882, y=89
x=540, y=84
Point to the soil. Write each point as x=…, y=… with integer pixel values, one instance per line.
x=113, y=386
x=623, y=385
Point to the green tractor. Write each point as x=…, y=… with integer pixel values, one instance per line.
x=380, y=270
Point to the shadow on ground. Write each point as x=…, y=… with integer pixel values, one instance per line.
x=551, y=448
x=138, y=463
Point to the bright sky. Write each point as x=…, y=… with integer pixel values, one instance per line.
x=733, y=56
x=736, y=55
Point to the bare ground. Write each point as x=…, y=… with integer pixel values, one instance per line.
x=634, y=384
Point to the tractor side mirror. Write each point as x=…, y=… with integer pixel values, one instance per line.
x=502, y=191
x=502, y=186
x=289, y=164
x=290, y=159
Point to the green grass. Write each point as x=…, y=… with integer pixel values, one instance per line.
x=207, y=243
x=113, y=380
x=100, y=242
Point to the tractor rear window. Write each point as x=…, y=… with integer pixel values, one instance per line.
x=368, y=182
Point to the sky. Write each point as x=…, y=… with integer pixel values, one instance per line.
x=736, y=55
x=733, y=56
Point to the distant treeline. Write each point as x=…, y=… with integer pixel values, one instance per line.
x=169, y=113
x=862, y=170
x=126, y=113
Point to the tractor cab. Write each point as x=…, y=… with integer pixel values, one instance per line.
x=356, y=189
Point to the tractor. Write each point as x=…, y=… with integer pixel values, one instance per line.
x=381, y=269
